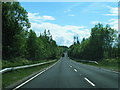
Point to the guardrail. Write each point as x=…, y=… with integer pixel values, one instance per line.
x=21, y=67
x=87, y=61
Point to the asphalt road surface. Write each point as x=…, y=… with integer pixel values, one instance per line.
x=70, y=74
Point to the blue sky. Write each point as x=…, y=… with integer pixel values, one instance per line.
x=66, y=19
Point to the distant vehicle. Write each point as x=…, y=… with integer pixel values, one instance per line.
x=62, y=55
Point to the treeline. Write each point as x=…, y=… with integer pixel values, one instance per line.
x=103, y=43
x=20, y=42
x=63, y=49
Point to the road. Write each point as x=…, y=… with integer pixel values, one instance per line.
x=70, y=74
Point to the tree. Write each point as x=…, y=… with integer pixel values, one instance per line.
x=32, y=45
x=99, y=45
x=18, y=42
x=83, y=40
x=119, y=45
x=78, y=41
x=14, y=22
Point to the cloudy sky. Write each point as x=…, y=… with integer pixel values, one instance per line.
x=68, y=19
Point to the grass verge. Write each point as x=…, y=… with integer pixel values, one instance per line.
x=111, y=64
x=10, y=78
x=18, y=61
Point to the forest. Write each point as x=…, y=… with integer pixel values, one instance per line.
x=22, y=46
x=103, y=43
x=19, y=41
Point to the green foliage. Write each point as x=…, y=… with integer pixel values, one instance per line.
x=13, y=77
x=14, y=23
x=19, y=42
x=62, y=49
x=47, y=47
x=98, y=46
x=32, y=45
x=19, y=62
x=111, y=64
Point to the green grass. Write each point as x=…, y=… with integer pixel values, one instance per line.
x=19, y=62
x=10, y=78
x=111, y=64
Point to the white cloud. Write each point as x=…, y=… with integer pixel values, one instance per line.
x=113, y=11
x=95, y=22
x=62, y=34
x=71, y=15
x=48, y=18
x=114, y=23
x=68, y=10
x=111, y=14
x=66, y=0
x=37, y=18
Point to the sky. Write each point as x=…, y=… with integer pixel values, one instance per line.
x=68, y=19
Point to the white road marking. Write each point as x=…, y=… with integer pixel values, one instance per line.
x=33, y=77
x=106, y=70
x=70, y=65
x=75, y=70
x=110, y=70
x=89, y=82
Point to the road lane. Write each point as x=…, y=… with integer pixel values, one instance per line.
x=102, y=78
x=59, y=76
x=70, y=74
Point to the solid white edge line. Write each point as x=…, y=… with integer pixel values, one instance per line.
x=75, y=70
x=34, y=77
x=89, y=82
x=110, y=70
x=100, y=67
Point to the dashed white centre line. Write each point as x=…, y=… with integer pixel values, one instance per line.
x=89, y=82
x=75, y=70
